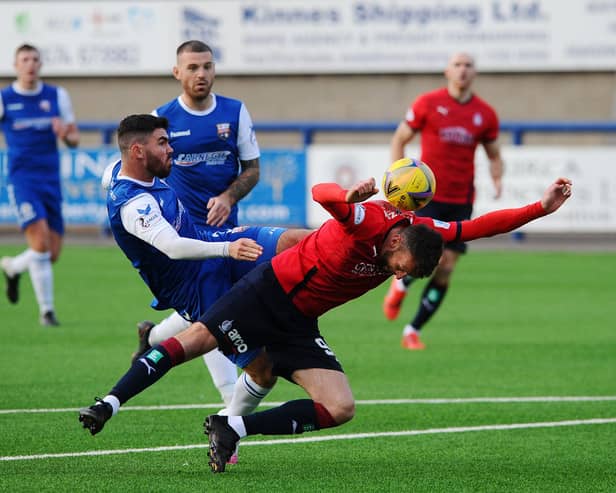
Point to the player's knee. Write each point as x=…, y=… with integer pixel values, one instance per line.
x=291, y=237
x=264, y=377
x=261, y=371
x=196, y=340
x=342, y=411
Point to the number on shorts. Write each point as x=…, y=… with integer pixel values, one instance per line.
x=323, y=345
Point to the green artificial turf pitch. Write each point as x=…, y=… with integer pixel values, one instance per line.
x=484, y=408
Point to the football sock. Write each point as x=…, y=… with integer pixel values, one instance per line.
x=247, y=395
x=114, y=402
x=292, y=418
x=431, y=299
x=237, y=423
x=408, y=329
x=166, y=328
x=405, y=282
x=21, y=262
x=148, y=369
x=223, y=373
x=41, y=276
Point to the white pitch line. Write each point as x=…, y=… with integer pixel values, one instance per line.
x=327, y=438
x=468, y=400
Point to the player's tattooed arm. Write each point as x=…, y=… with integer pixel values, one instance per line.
x=245, y=181
x=219, y=207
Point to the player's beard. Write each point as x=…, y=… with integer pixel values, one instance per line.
x=382, y=261
x=158, y=167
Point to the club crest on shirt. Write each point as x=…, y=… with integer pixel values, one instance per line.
x=223, y=130
x=477, y=119
x=45, y=105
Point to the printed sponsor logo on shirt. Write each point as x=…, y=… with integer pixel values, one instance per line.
x=179, y=133
x=223, y=130
x=145, y=211
x=15, y=106
x=363, y=269
x=390, y=212
x=456, y=135
x=209, y=158
x=360, y=213
x=147, y=218
x=38, y=123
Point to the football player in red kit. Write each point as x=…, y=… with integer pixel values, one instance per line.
x=277, y=305
x=452, y=121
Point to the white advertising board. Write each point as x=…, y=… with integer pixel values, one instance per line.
x=312, y=36
x=529, y=170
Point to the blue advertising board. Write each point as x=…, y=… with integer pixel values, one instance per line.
x=278, y=200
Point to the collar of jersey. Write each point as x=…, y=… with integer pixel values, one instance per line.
x=195, y=112
x=28, y=92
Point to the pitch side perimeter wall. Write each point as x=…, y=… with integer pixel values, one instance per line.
x=283, y=196
x=349, y=60
x=529, y=170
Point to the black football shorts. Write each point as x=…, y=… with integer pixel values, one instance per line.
x=256, y=313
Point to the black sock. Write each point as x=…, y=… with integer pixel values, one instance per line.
x=407, y=280
x=145, y=371
x=292, y=418
x=431, y=299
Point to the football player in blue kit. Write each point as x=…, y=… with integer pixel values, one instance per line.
x=34, y=115
x=216, y=154
x=157, y=234
x=215, y=164
x=154, y=230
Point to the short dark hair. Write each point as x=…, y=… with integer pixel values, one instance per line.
x=25, y=47
x=138, y=128
x=193, y=46
x=426, y=246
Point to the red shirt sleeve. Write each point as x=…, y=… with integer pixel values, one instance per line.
x=416, y=114
x=490, y=224
x=332, y=198
x=492, y=128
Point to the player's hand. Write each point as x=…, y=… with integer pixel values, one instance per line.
x=556, y=194
x=59, y=128
x=67, y=132
x=219, y=209
x=362, y=191
x=245, y=249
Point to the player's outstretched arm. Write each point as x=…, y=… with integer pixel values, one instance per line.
x=504, y=220
x=556, y=194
